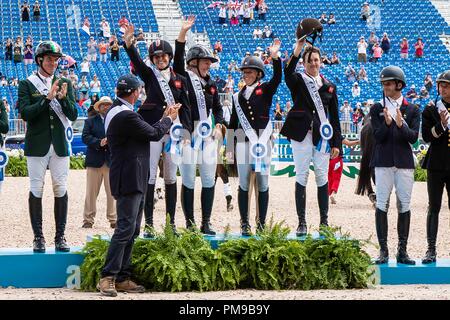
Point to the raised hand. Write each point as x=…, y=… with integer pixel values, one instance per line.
x=128, y=35
x=275, y=48
x=444, y=115
x=187, y=23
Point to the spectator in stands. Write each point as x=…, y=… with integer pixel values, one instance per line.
x=366, y=107
x=372, y=40
x=74, y=79
x=89, y=105
x=92, y=50
x=115, y=50
x=8, y=49
x=95, y=85
x=362, y=75
x=356, y=90
x=287, y=107
x=247, y=14
x=428, y=82
x=220, y=84
x=105, y=29
x=229, y=86
x=350, y=73
x=223, y=14
x=331, y=19
x=419, y=48
x=404, y=47
x=362, y=50
x=140, y=35
x=257, y=33
x=278, y=114
x=412, y=94
x=323, y=19
x=25, y=9
x=267, y=32
x=424, y=94
x=14, y=82
x=218, y=46
x=335, y=59
x=36, y=11
x=325, y=59
x=357, y=118
x=3, y=82
x=83, y=88
x=365, y=12
x=241, y=83
x=85, y=67
x=103, y=50
x=28, y=52
x=232, y=67
x=18, y=51
x=64, y=74
x=385, y=43
x=123, y=22
x=6, y=105
x=216, y=65
x=86, y=26
x=262, y=10
x=346, y=111
x=377, y=53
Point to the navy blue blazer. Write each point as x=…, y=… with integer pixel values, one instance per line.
x=93, y=133
x=393, y=144
x=128, y=139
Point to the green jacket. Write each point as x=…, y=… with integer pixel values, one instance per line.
x=43, y=125
x=4, y=127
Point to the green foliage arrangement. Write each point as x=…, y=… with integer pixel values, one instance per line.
x=419, y=173
x=269, y=261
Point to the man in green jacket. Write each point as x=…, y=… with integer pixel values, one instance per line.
x=4, y=128
x=47, y=104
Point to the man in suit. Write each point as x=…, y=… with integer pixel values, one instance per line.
x=395, y=125
x=47, y=104
x=435, y=130
x=97, y=164
x=129, y=138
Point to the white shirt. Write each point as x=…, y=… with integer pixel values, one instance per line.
x=126, y=103
x=362, y=46
x=166, y=74
x=85, y=66
x=47, y=80
x=249, y=90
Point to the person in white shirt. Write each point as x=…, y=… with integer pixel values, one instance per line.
x=95, y=85
x=356, y=90
x=362, y=50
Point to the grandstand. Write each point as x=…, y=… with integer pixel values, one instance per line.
x=61, y=22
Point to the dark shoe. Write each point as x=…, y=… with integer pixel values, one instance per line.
x=243, y=211
x=129, y=287
x=149, y=232
x=187, y=204
x=403, y=224
x=300, y=204
x=229, y=204
x=322, y=196
x=302, y=230
x=87, y=225
x=107, y=286
x=430, y=256
x=112, y=225
x=39, y=245
x=207, y=199
x=61, y=245
x=381, y=224
x=246, y=230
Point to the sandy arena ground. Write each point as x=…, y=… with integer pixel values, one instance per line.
x=353, y=213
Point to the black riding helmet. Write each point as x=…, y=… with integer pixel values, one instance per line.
x=158, y=47
x=253, y=62
x=443, y=77
x=309, y=27
x=393, y=73
x=200, y=52
x=45, y=48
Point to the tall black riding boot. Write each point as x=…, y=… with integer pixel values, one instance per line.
x=243, y=211
x=381, y=224
x=300, y=204
x=187, y=203
x=35, y=209
x=263, y=204
x=149, y=206
x=432, y=230
x=171, y=202
x=207, y=199
x=60, y=210
x=322, y=196
x=403, y=223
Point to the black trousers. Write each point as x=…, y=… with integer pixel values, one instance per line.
x=436, y=182
x=129, y=216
